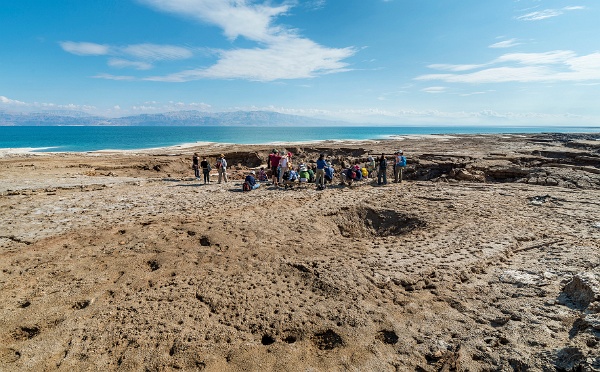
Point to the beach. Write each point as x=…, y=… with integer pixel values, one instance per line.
x=485, y=258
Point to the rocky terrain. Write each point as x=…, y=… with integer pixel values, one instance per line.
x=487, y=258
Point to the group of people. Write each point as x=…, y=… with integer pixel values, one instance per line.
x=205, y=166
x=284, y=173
x=375, y=166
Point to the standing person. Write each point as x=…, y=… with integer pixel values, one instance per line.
x=222, y=168
x=381, y=174
x=195, y=165
x=320, y=173
x=205, y=170
x=283, y=166
x=273, y=162
x=399, y=164
x=370, y=166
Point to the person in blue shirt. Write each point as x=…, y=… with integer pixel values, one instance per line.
x=399, y=164
x=320, y=173
x=329, y=173
x=251, y=181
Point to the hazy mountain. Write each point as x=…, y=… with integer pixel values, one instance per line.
x=175, y=118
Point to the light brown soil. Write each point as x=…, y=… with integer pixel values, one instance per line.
x=485, y=259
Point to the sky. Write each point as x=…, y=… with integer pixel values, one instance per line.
x=401, y=62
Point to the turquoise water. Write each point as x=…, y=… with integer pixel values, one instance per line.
x=94, y=138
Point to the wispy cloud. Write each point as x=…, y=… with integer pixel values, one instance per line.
x=547, y=13
x=235, y=17
x=122, y=63
x=154, y=52
x=555, y=66
x=280, y=52
x=295, y=59
x=8, y=101
x=138, y=56
x=28, y=106
x=113, y=77
x=84, y=48
x=434, y=90
x=505, y=44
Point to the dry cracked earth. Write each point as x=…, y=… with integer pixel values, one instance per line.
x=487, y=258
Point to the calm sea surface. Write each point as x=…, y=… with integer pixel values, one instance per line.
x=93, y=138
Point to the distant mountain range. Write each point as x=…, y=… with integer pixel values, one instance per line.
x=175, y=118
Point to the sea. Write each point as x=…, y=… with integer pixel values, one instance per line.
x=106, y=138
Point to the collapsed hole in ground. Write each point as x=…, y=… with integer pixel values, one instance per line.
x=328, y=340
x=354, y=222
x=267, y=340
x=388, y=337
x=290, y=339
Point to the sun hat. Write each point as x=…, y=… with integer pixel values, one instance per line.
x=253, y=172
x=400, y=152
x=222, y=155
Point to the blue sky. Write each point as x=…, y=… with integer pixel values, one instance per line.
x=492, y=62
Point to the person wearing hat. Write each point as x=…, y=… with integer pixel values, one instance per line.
x=251, y=181
x=222, y=168
x=399, y=164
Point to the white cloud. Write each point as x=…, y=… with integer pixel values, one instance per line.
x=547, y=13
x=8, y=101
x=113, y=77
x=280, y=54
x=135, y=56
x=552, y=66
x=122, y=63
x=235, y=17
x=505, y=44
x=288, y=58
x=434, y=90
x=154, y=52
x=456, y=68
x=84, y=48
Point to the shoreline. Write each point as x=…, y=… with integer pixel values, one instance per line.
x=209, y=146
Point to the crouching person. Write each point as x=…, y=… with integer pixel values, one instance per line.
x=250, y=182
x=289, y=178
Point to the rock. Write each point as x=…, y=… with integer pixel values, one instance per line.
x=465, y=175
x=583, y=290
x=519, y=278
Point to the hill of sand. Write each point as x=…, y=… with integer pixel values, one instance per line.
x=486, y=258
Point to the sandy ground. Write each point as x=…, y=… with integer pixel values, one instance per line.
x=486, y=258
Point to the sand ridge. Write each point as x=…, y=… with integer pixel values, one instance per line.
x=485, y=258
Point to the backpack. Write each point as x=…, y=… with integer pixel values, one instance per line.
x=402, y=162
x=351, y=173
x=246, y=187
x=286, y=175
x=219, y=164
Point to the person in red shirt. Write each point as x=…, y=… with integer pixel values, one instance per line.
x=273, y=162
